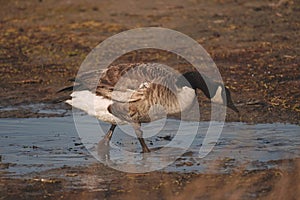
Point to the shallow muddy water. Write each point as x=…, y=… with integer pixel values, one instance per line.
x=37, y=144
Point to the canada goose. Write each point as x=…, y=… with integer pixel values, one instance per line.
x=127, y=92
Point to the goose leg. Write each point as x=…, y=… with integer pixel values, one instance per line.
x=103, y=145
x=109, y=134
x=139, y=134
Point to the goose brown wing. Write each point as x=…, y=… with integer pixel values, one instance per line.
x=115, y=80
x=129, y=77
x=149, y=102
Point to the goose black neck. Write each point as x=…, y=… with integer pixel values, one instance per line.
x=197, y=81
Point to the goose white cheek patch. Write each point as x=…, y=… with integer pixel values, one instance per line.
x=218, y=96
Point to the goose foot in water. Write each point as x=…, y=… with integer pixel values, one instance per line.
x=139, y=134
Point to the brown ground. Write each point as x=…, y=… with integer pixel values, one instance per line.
x=255, y=44
x=99, y=182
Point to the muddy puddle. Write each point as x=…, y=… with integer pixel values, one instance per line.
x=30, y=145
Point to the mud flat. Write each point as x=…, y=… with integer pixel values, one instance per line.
x=50, y=157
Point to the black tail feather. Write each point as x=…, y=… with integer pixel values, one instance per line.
x=61, y=99
x=69, y=88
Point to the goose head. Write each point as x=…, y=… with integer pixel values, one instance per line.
x=222, y=96
x=215, y=91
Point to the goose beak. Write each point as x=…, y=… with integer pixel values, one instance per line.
x=230, y=103
x=232, y=107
